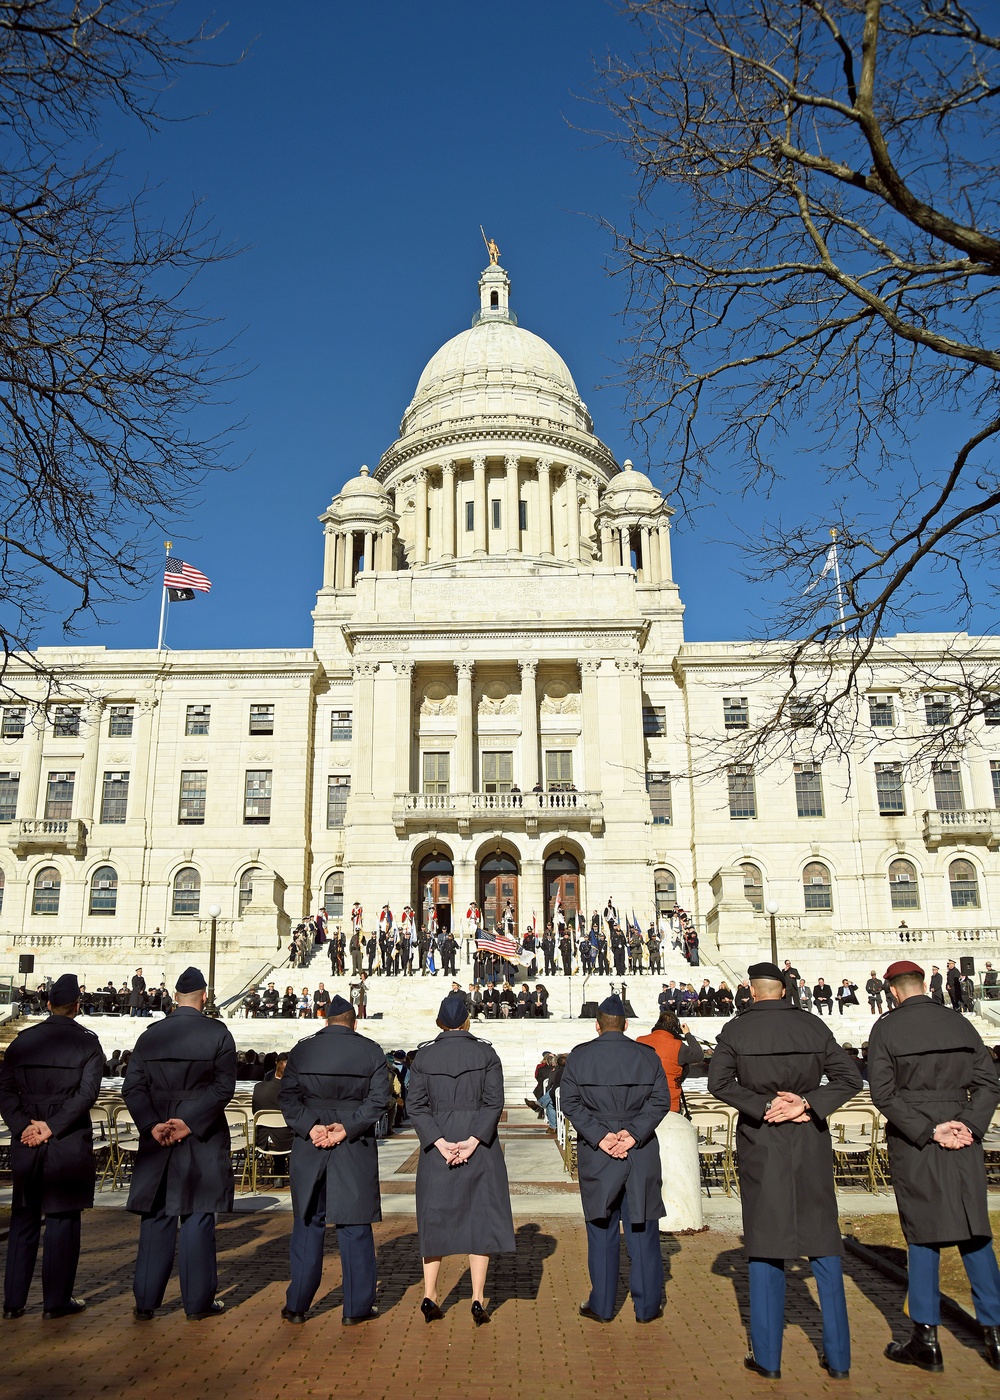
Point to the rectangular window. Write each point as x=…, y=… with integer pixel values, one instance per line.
x=809, y=789
x=498, y=771
x=342, y=726
x=333, y=896
x=8, y=796
x=120, y=723
x=802, y=714
x=66, y=721
x=735, y=712
x=654, y=721
x=198, y=719
x=338, y=790
x=947, y=779
x=114, y=799
x=937, y=709
x=261, y=719
x=658, y=787
x=991, y=715
x=995, y=776
x=495, y=514
x=470, y=515
x=436, y=772
x=257, y=797
x=59, y=796
x=881, y=712
x=742, y=793
x=194, y=785
x=559, y=769
x=889, y=789
x=14, y=719
x=522, y=515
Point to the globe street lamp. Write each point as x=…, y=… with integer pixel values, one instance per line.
x=211, y=1009
x=772, y=907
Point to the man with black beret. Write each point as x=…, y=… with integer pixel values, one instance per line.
x=770, y=1064
x=180, y=1078
x=615, y=1093
x=334, y=1090
x=49, y=1081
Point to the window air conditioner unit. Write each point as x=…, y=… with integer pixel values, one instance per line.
x=47, y=885
x=105, y=885
x=902, y=879
x=817, y=880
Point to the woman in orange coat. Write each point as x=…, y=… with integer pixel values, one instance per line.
x=676, y=1047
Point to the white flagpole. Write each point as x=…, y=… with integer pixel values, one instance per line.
x=836, y=575
x=168, y=546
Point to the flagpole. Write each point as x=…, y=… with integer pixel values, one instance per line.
x=836, y=575
x=168, y=546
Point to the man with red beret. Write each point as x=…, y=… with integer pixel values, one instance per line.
x=933, y=1078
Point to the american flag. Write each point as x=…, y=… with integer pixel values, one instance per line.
x=497, y=943
x=177, y=574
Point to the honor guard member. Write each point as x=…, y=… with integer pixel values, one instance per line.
x=334, y=1090
x=615, y=1093
x=180, y=1078
x=49, y=1081
x=933, y=1079
x=769, y=1064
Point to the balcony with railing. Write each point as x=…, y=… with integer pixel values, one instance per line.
x=34, y=835
x=516, y=811
x=972, y=824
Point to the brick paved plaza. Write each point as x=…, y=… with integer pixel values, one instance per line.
x=535, y=1347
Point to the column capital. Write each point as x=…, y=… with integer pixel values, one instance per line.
x=544, y=464
x=330, y=529
x=465, y=670
x=528, y=668
x=148, y=704
x=420, y=474
x=572, y=470
x=628, y=665
x=479, y=462
x=448, y=467
x=511, y=461
x=364, y=668
x=404, y=668
x=590, y=665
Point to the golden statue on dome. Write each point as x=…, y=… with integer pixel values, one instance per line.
x=491, y=248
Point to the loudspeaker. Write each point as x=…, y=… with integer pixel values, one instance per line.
x=25, y=964
x=588, y=1011
x=968, y=966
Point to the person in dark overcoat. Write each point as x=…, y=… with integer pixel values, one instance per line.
x=769, y=1064
x=454, y=1100
x=334, y=1090
x=873, y=990
x=180, y=1078
x=934, y=1080
x=137, y=996
x=952, y=978
x=615, y=1093
x=49, y=1081
x=792, y=977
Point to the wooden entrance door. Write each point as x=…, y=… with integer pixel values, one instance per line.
x=562, y=882
x=434, y=887
x=498, y=889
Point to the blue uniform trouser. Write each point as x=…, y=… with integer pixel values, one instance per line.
x=60, y=1256
x=645, y=1280
x=767, y=1311
x=357, y=1259
x=196, y=1265
x=984, y=1278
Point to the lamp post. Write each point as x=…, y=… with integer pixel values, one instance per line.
x=211, y=1009
x=772, y=908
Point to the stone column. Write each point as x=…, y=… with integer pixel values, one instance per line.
x=666, y=564
x=607, y=545
x=420, y=518
x=31, y=764
x=345, y=542
x=591, y=717
x=650, y=556
x=529, y=725
x=466, y=727
x=448, y=486
x=512, y=508
x=624, y=548
x=329, y=555
x=364, y=709
x=385, y=550
x=630, y=712
x=86, y=792
x=404, y=726
x=479, y=505
x=573, y=512
x=139, y=779
x=545, y=507
x=369, y=551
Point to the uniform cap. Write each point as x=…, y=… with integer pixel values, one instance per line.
x=453, y=1011
x=192, y=979
x=765, y=970
x=65, y=990
x=899, y=969
x=612, y=1006
x=338, y=1006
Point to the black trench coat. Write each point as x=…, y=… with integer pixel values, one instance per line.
x=927, y=1066
x=336, y=1076
x=786, y=1169
x=608, y=1084
x=182, y=1067
x=455, y=1091
x=52, y=1073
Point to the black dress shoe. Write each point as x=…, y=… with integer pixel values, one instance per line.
x=365, y=1317
x=991, y=1336
x=431, y=1311
x=752, y=1364
x=588, y=1312
x=921, y=1350
x=290, y=1316
x=834, y=1375
x=216, y=1309
x=655, y=1318
x=70, y=1309
x=12, y=1314
x=142, y=1315
x=479, y=1313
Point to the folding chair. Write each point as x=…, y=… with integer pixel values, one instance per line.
x=854, y=1132
x=715, y=1145
x=124, y=1145
x=239, y=1143
x=266, y=1118
x=103, y=1143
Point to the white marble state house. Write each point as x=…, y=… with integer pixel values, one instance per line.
x=498, y=694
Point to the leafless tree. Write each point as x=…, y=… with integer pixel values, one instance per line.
x=101, y=356
x=813, y=266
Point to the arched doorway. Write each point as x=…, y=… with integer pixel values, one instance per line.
x=435, y=878
x=562, y=883
x=498, y=890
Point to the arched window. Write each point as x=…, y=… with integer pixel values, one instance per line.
x=187, y=891
x=664, y=890
x=46, y=893
x=904, y=892
x=104, y=890
x=246, y=887
x=753, y=886
x=333, y=895
x=494, y=300
x=817, y=887
x=964, y=885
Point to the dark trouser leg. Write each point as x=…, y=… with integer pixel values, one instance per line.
x=60, y=1257
x=22, y=1251
x=984, y=1278
x=357, y=1260
x=603, y=1251
x=767, y=1311
x=829, y=1275
x=154, y=1260
x=306, y=1252
x=197, y=1263
x=645, y=1280
x=923, y=1263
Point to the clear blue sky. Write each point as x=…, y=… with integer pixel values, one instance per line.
x=354, y=153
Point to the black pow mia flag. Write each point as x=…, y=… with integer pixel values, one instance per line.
x=181, y=595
